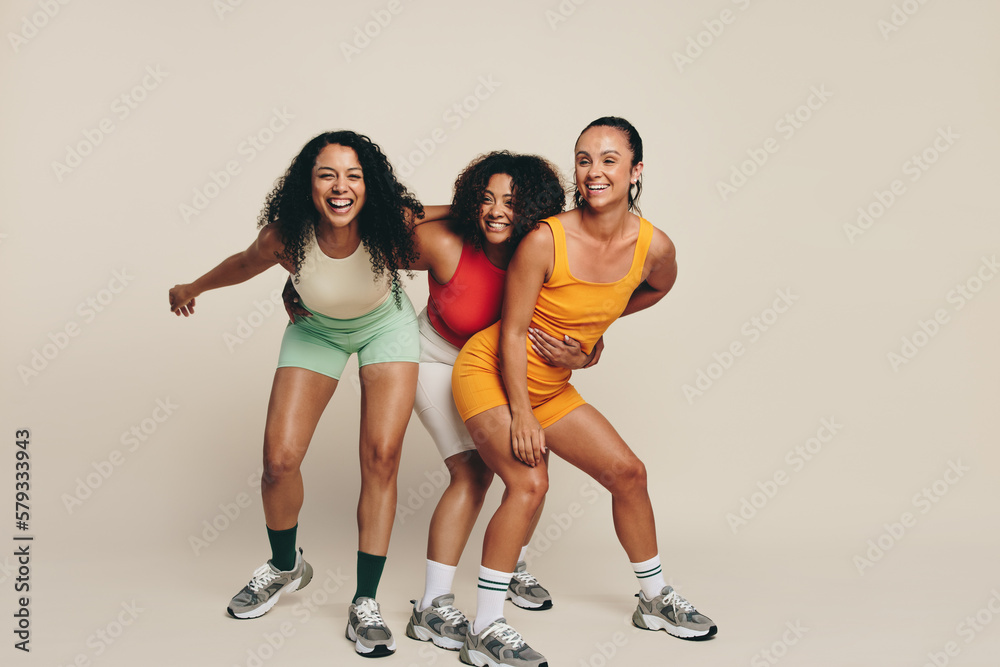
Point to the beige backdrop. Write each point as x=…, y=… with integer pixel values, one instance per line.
x=815, y=400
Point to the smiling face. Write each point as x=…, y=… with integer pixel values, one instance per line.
x=604, y=170
x=338, y=185
x=496, y=214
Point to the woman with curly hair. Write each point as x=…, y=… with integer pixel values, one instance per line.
x=573, y=275
x=498, y=199
x=339, y=222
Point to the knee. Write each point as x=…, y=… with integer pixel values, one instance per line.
x=530, y=489
x=279, y=465
x=380, y=459
x=471, y=476
x=625, y=476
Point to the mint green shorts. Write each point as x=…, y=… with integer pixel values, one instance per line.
x=323, y=344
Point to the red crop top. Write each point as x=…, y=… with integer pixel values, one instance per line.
x=470, y=301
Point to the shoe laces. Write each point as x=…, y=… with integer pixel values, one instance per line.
x=368, y=613
x=452, y=614
x=506, y=634
x=526, y=578
x=262, y=576
x=678, y=603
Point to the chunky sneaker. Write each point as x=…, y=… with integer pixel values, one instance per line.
x=440, y=623
x=525, y=591
x=267, y=585
x=499, y=645
x=669, y=611
x=368, y=631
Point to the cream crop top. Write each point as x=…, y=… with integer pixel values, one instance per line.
x=340, y=288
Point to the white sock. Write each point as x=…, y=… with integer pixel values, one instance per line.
x=650, y=576
x=438, y=582
x=524, y=553
x=489, y=601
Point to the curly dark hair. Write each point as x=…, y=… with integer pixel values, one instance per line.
x=538, y=193
x=384, y=222
x=634, y=143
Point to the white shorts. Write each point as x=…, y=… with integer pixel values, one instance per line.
x=434, y=403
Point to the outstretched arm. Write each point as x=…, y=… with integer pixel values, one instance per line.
x=526, y=274
x=661, y=262
x=260, y=256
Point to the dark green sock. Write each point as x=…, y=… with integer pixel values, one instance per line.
x=369, y=573
x=282, y=547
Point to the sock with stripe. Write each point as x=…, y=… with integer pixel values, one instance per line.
x=650, y=577
x=369, y=573
x=438, y=582
x=490, y=598
x=282, y=547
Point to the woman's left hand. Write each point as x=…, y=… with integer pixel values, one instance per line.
x=565, y=352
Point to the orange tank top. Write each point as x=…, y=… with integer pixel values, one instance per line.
x=584, y=310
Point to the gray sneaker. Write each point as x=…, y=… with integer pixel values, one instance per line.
x=525, y=591
x=266, y=586
x=499, y=645
x=669, y=611
x=368, y=631
x=440, y=623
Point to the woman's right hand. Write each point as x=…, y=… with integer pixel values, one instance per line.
x=527, y=439
x=182, y=300
x=293, y=306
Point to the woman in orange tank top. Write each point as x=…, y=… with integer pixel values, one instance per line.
x=573, y=275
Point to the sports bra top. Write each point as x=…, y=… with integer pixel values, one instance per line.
x=470, y=301
x=340, y=288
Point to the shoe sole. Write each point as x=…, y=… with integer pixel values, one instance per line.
x=422, y=634
x=482, y=660
x=377, y=651
x=527, y=604
x=290, y=587
x=648, y=622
